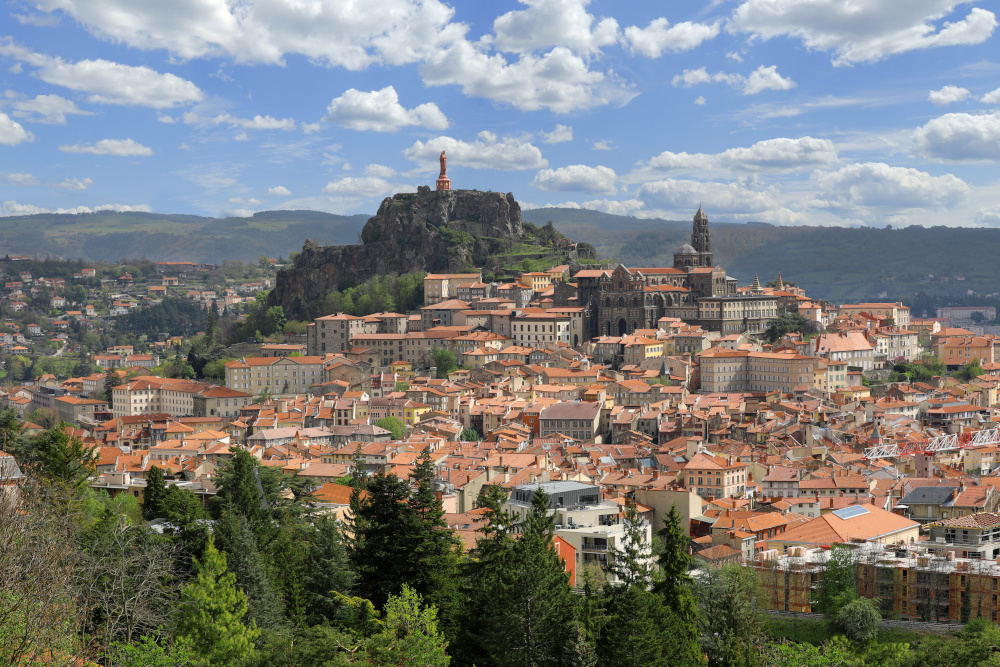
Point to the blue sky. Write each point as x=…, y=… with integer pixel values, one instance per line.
x=829, y=112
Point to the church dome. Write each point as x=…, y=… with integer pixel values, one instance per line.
x=686, y=249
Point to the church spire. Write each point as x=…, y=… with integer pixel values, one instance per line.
x=700, y=238
x=756, y=288
x=780, y=285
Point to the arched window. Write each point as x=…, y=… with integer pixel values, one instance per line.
x=607, y=302
x=621, y=302
x=635, y=302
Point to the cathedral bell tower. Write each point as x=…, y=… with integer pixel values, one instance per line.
x=701, y=240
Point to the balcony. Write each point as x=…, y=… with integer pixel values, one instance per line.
x=595, y=546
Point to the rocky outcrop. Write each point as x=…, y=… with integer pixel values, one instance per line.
x=430, y=230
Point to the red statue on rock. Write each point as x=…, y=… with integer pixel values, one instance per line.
x=443, y=182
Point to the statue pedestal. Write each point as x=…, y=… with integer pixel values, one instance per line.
x=444, y=183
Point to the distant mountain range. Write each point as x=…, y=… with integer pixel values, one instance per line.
x=829, y=262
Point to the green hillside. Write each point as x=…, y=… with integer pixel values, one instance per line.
x=836, y=263
x=109, y=236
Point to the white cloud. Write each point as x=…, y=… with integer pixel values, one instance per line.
x=166, y=118
x=700, y=100
x=11, y=132
x=258, y=122
x=863, y=31
x=20, y=179
x=13, y=208
x=239, y=213
x=242, y=136
x=332, y=32
x=365, y=186
x=119, y=147
x=547, y=23
x=279, y=191
x=37, y=20
x=603, y=145
x=578, y=178
x=51, y=109
x=734, y=55
x=380, y=110
x=683, y=195
x=992, y=97
x=309, y=128
x=774, y=155
x=560, y=134
x=656, y=38
x=559, y=80
x=76, y=184
x=761, y=79
x=485, y=153
x=948, y=95
x=109, y=82
x=988, y=216
x=246, y=201
x=875, y=185
x=379, y=171
x=960, y=137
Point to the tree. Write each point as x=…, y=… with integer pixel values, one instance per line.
x=972, y=369
x=242, y=493
x=444, y=361
x=522, y=608
x=641, y=632
x=63, y=459
x=409, y=635
x=275, y=319
x=146, y=652
x=394, y=425
x=838, y=585
x=469, y=435
x=328, y=571
x=111, y=380
x=733, y=627
x=673, y=582
x=966, y=608
x=631, y=560
x=249, y=567
x=12, y=438
x=210, y=620
x=859, y=620
x=155, y=495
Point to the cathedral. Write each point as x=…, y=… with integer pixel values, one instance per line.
x=620, y=301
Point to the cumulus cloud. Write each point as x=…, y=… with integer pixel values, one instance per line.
x=683, y=195
x=988, y=216
x=11, y=132
x=960, y=137
x=547, y=23
x=119, y=147
x=380, y=110
x=559, y=80
x=365, y=186
x=560, y=134
x=20, y=179
x=258, y=122
x=578, y=178
x=875, y=185
x=75, y=184
x=279, y=191
x=761, y=79
x=603, y=145
x=863, y=31
x=508, y=154
x=246, y=201
x=379, y=171
x=775, y=155
x=660, y=36
x=108, y=82
x=13, y=208
x=948, y=95
x=992, y=97
x=51, y=109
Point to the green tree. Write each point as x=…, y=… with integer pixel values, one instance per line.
x=242, y=493
x=155, y=495
x=838, y=585
x=12, y=438
x=394, y=425
x=640, y=631
x=732, y=621
x=444, y=361
x=63, y=459
x=673, y=582
x=210, y=619
x=859, y=620
x=409, y=635
x=249, y=566
x=275, y=319
x=146, y=652
x=328, y=570
x=972, y=369
x=469, y=435
x=631, y=560
x=111, y=380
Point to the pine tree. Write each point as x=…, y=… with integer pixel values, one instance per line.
x=529, y=610
x=631, y=559
x=210, y=620
x=155, y=495
x=328, y=570
x=248, y=565
x=242, y=492
x=111, y=380
x=674, y=583
x=638, y=630
x=64, y=459
x=410, y=635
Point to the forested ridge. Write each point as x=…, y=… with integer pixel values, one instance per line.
x=263, y=576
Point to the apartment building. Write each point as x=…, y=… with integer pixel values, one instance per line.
x=278, y=375
x=717, y=476
x=333, y=333
x=725, y=370
x=899, y=313
x=440, y=287
x=536, y=327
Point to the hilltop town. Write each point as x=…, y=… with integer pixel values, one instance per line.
x=770, y=425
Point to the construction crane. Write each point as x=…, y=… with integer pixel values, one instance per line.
x=941, y=443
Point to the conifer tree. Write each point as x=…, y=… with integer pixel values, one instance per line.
x=674, y=583
x=210, y=620
x=155, y=495
x=249, y=566
x=409, y=635
x=64, y=459
x=328, y=570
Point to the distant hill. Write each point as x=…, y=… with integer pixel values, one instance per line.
x=829, y=262
x=110, y=236
x=835, y=263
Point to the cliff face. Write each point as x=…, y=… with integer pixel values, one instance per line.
x=430, y=230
